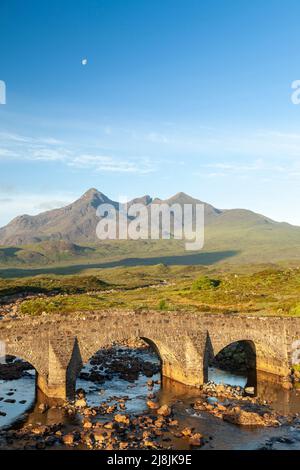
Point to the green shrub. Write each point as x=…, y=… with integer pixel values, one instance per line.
x=162, y=305
x=38, y=306
x=295, y=311
x=204, y=283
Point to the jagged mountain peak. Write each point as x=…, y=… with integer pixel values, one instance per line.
x=94, y=196
x=77, y=222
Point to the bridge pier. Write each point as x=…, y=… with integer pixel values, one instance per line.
x=64, y=365
x=53, y=390
x=185, y=360
x=193, y=377
x=61, y=381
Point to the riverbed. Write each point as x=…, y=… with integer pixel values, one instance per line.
x=19, y=406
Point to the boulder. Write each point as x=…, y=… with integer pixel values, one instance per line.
x=119, y=418
x=164, y=410
x=80, y=403
x=248, y=418
x=187, y=432
x=152, y=404
x=196, y=439
x=68, y=439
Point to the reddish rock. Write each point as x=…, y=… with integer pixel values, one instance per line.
x=164, y=410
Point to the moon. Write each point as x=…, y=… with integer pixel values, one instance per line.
x=84, y=61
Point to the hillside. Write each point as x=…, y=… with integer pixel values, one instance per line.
x=67, y=236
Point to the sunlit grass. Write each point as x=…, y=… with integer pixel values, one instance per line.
x=267, y=292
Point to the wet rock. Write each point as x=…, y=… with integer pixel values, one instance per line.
x=164, y=410
x=247, y=418
x=159, y=423
x=173, y=422
x=87, y=424
x=111, y=409
x=80, y=403
x=119, y=418
x=68, y=439
x=196, y=439
x=39, y=429
x=89, y=440
x=152, y=405
x=123, y=445
x=109, y=425
x=149, y=443
x=220, y=388
x=187, y=432
x=221, y=407
x=199, y=406
x=101, y=435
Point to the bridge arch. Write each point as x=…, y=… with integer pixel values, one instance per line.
x=160, y=346
x=115, y=358
x=238, y=358
x=248, y=345
x=29, y=356
x=269, y=355
x=15, y=360
x=180, y=359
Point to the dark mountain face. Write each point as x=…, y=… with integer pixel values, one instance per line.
x=76, y=223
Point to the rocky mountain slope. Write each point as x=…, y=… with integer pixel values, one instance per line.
x=70, y=233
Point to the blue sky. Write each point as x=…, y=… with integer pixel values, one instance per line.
x=177, y=95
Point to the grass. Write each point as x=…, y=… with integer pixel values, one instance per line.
x=205, y=283
x=52, y=285
x=269, y=291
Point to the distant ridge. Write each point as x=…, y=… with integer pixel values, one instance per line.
x=77, y=222
x=246, y=232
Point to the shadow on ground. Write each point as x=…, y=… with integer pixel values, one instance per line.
x=183, y=260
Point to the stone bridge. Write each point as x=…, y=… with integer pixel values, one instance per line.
x=59, y=346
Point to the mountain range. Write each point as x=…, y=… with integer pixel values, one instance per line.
x=72, y=229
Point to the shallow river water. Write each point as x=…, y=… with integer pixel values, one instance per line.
x=219, y=434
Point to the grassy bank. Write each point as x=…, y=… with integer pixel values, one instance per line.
x=272, y=291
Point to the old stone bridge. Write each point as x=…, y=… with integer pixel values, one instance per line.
x=58, y=346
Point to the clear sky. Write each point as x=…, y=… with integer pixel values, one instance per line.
x=176, y=95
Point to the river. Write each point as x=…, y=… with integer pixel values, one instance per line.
x=218, y=433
